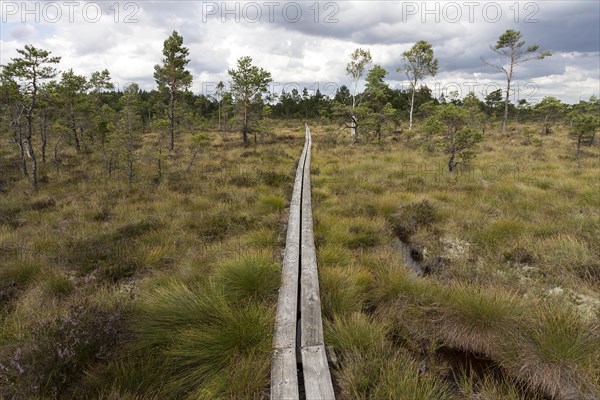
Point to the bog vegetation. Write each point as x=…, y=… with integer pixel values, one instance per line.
x=141, y=233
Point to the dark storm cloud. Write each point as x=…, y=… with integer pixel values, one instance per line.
x=571, y=26
x=560, y=27
x=574, y=27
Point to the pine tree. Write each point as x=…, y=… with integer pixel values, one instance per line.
x=29, y=70
x=172, y=77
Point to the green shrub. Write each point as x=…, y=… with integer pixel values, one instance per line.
x=274, y=179
x=42, y=204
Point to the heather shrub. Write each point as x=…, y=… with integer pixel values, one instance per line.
x=57, y=351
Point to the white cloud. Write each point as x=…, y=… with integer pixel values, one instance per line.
x=309, y=51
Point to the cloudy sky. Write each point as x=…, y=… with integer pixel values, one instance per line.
x=307, y=43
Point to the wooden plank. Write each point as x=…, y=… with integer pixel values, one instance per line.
x=310, y=301
x=284, y=376
x=285, y=319
x=300, y=262
x=317, y=379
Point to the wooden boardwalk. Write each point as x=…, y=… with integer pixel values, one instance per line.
x=299, y=368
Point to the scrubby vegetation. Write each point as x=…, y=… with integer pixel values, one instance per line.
x=509, y=304
x=140, y=238
x=156, y=290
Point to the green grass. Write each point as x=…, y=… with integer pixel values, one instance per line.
x=404, y=381
x=507, y=231
x=57, y=284
x=205, y=337
x=251, y=276
x=190, y=264
x=195, y=255
x=355, y=333
x=343, y=290
x=382, y=374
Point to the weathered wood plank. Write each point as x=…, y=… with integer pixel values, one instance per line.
x=317, y=379
x=300, y=263
x=310, y=302
x=285, y=320
x=284, y=376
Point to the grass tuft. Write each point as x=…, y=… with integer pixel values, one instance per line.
x=203, y=336
x=355, y=333
x=253, y=275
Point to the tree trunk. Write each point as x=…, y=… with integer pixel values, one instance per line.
x=82, y=137
x=451, y=163
x=56, y=159
x=34, y=176
x=219, y=115
x=545, y=127
x=245, y=133
x=172, y=120
x=189, y=167
x=31, y=152
x=352, y=116
x=18, y=139
x=130, y=170
x=412, y=106
x=44, y=137
x=74, y=128
x=505, y=117
x=159, y=162
x=23, y=162
x=507, y=98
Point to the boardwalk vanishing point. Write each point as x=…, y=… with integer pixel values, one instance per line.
x=299, y=368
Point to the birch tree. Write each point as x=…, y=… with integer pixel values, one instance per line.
x=418, y=63
x=360, y=59
x=219, y=98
